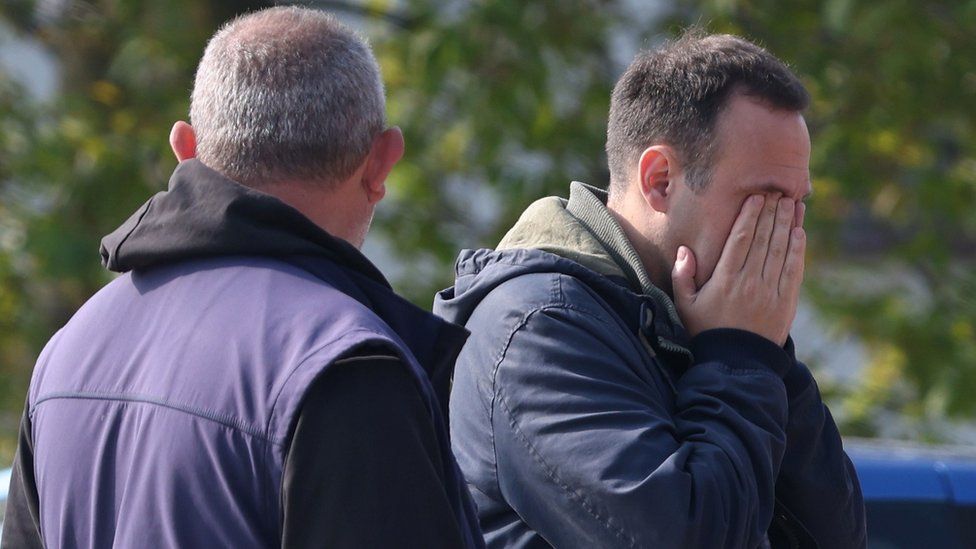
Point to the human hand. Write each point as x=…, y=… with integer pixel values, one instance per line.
x=756, y=283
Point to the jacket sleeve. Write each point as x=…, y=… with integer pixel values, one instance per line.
x=363, y=468
x=817, y=483
x=590, y=453
x=21, y=523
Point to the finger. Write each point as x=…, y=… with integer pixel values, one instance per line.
x=780, y=239
x=801, y=213
x=740, y=237
x=764, y=230
x=683, y=276
x=792, y=276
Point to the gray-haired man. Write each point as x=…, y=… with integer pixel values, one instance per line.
x=251, y=380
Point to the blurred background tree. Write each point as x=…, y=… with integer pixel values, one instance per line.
x=503, y=102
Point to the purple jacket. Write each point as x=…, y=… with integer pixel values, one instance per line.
x=162, y=411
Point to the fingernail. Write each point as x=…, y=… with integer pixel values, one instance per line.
x=682, y=253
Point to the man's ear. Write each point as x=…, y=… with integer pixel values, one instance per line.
x=386, y=151
x=183, y=141
x=655, y=172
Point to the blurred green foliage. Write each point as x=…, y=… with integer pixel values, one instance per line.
x=503, y=102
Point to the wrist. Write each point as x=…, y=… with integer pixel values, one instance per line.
x=740, y=349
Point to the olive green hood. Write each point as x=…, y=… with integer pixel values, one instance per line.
x=583, y=230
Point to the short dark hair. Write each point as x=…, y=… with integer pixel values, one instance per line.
x=673, y=95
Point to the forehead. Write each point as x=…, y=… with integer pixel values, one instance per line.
x=763, y=150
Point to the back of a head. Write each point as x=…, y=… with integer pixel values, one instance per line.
x=673, y=95
x=286, y=94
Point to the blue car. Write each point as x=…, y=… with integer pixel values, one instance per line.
x=916, y=497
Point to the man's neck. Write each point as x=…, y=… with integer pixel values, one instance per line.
x=647, y=249
x=336, y=210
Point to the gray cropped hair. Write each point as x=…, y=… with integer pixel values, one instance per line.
x=286, y=94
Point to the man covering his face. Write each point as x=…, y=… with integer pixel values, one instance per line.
x=630, y=380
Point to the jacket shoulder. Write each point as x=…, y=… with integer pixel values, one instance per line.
x=508, y=310
x=532, y=292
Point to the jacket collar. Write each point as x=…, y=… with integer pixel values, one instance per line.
x=583, y=230
x=204, y=214
x=589, y=205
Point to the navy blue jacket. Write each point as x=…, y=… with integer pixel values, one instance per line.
x=582, y=416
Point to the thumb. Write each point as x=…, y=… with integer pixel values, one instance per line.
x=683, y=276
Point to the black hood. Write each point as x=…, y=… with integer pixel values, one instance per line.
x=204, y=214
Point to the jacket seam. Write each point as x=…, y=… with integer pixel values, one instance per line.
x=312, y=354
x=555, y=294
x=220, y=419
x=274, y=411
x=548, y=470
x=554, y=477
x=494, y=390
x=742, y=372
